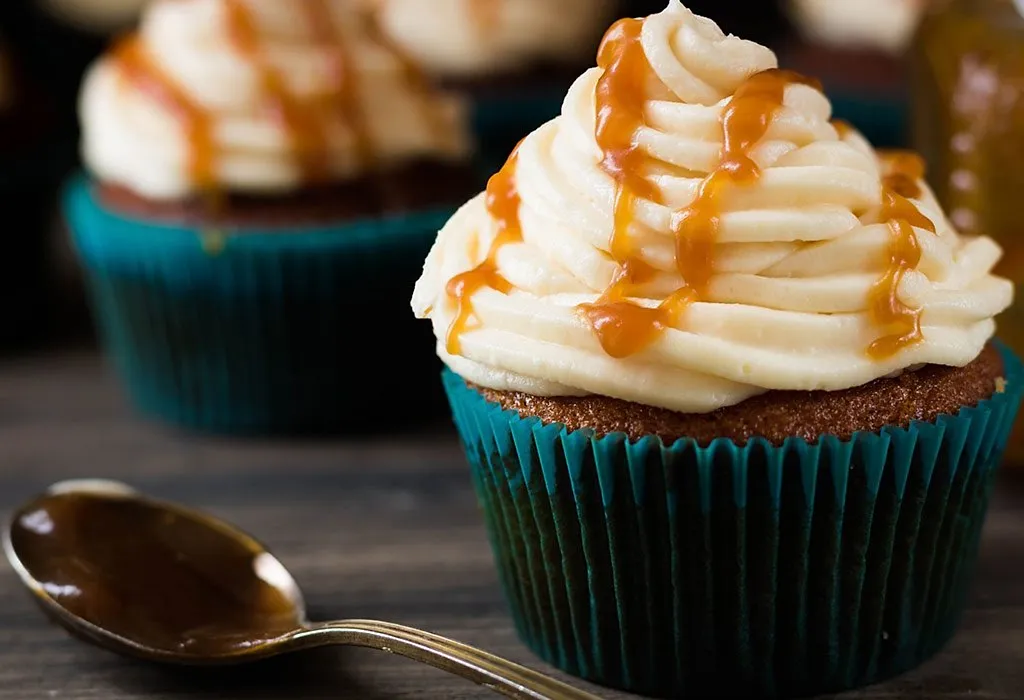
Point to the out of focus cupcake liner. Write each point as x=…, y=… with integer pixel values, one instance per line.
x=735, y=571
x=257, y=331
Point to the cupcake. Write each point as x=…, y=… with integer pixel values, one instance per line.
x=514, y=59
x=263, y=182
x=725, y=379
x=859, y=52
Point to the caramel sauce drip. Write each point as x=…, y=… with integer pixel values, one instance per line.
x=621, y=93
x=901, y=323
x=622, y=326
x=145, y=75
x=503, y=207
x=843, y=128
x=904, y=172
x=306, y=131
x=745, y=121
x=486, y=14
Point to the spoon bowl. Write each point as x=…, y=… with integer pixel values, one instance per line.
x=162, y=582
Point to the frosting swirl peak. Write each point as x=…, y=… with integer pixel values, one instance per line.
x=693, y=230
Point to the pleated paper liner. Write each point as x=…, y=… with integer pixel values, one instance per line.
x=727, y=571
x=263, y=332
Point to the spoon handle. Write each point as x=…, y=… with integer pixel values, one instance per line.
x=500, y=675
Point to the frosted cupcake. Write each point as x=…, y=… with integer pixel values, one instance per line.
x=513, y=58
x=263, y=180
x=725, y=379
x=859, y=51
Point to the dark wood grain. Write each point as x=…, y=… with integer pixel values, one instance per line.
x=384, y=528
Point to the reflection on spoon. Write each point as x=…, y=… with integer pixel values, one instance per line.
x=161, y=582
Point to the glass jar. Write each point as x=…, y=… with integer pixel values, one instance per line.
x=968, y=123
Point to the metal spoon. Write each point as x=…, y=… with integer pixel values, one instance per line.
x=161, y=582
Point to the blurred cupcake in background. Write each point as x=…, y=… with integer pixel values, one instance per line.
x=30, y=173
x=859, y=51
x=513, y=58
x=264, y=179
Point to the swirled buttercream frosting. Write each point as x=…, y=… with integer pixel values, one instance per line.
x=258, y=97
x=693, y=229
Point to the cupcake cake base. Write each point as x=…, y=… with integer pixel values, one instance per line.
x=745, y=567
x=410, y=189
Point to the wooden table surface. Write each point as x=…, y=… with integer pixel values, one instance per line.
x=383, y=528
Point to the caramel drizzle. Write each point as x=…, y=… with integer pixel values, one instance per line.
x=503, y=207
x=344, y=85
x=622, y=326
x=901, y=323
x=305, y=131
x=905, y=170
x=486, y=14
x=304, y=126
x=138, y=68
x=843, y=128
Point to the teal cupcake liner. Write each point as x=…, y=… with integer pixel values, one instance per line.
x=257, y=331
x=735, y=571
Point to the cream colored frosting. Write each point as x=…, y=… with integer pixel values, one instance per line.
x=98, y=16
x=131, y=137
x=878, y=24
x=798, y=251
x=464, y=38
